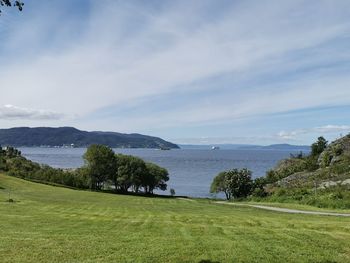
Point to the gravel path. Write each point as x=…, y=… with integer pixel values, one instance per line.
x=287, y=210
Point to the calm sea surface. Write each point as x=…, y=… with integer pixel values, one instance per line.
x=191, y=171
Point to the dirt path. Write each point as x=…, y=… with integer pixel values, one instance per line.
x=287, y=210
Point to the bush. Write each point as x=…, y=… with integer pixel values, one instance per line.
x=259, y=192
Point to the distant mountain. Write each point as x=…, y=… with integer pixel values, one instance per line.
x=286, y=147
x=43, y=136
x=221, y=146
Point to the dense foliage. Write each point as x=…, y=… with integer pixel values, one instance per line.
x=102, y=169
x=298, y=163
x=234, y=183
x=318, y=147
x=317, y=179
x=100, y=165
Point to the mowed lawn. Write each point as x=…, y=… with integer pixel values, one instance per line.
x=53, y=224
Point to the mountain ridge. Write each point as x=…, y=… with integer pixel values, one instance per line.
x=61, y=136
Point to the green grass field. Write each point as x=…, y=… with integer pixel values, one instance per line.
x=53, y=224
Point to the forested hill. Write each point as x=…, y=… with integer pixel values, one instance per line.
x=42, y=136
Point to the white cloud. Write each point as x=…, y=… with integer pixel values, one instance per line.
x=10, y=112
x=293, y=135
x=332, y=128
x=123, y=53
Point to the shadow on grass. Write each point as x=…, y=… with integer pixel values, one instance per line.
x=100, y=191
x=11, y=201
x=140, y=194
x=208, y=261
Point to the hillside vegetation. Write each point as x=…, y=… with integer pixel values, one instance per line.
x=321, y=178
x=53, y=224
x=103, y=170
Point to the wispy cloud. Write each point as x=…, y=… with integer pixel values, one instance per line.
x=292, y=135
x=10, y=112
x=230, y=59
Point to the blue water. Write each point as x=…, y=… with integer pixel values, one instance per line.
x=191, y=171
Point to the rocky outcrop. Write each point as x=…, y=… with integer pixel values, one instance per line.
x=334, y=152
x=296, y=179
x=333, y=165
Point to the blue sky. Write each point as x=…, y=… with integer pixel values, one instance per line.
x=201, y=72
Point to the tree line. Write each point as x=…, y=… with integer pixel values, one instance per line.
x=103, y=169
x=124, y=172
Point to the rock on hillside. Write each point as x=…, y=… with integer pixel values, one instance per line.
x=289, y=166
x=333, y=165
x=335, y=152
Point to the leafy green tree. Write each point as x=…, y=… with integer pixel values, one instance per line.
x=318, y=147
x=131, y=173
x=239, y=182
x=17, y=3
x=258, y=188
x=100, y=165
x=138, y=173
x=122, y=177
x=172, y=192
x=156, y=178
x=219, y=184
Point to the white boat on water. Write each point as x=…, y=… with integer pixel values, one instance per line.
x=215, y=148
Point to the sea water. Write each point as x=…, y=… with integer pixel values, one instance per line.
x=191, y=171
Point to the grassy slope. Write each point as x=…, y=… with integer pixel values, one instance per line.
x=52, y=224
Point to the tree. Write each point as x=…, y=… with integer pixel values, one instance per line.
x=9, y=3
x=172, y=192
x=156, y=178
x=100, y=165
x=219, y=184
x=318, y=147
x=122, y=176
x=258, y=188
x=234, y=183
x=239, y=182
x=138, y=173
x=131, y=172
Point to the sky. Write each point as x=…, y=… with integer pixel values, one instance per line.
x=192, y=72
